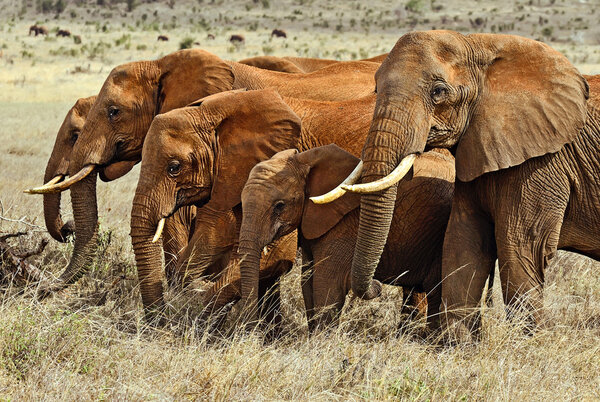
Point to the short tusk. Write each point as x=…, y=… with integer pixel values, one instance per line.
x=159, y=229
x=385, y=182
x=339, y=191
x=53, y=187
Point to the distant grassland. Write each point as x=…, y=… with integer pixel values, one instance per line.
x=90, y=341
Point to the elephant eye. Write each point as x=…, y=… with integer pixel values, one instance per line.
x=174, y=168
x=74, y=136
x=278, y=207
x=439, y=93
x=113, y=113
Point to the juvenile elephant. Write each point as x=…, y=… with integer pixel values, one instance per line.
x=177, y=229
x=515, y=113
x=202, y=154
x=275, y=202
x=136, y=92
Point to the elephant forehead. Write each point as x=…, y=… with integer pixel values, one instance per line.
x=270, y=170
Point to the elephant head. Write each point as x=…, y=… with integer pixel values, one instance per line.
x=198, y=154
x=112, y=137
x=58, y=164
x=495, y=100
x=275, y=203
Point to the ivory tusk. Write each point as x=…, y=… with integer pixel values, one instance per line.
x=159, y=229
x=52, y=181
x=339, y=191
x=394, y=177
x=54, y=187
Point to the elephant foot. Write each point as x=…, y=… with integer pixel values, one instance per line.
x=462, y=330
x=47, y=289
x=155, y=316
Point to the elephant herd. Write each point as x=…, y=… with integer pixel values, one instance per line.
x=354, y=162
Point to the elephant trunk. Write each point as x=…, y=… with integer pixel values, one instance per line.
x=380, y=156
x=85, y=212
x=54, y=223
x=148, y=254
x=251, y=244
x=59, y=230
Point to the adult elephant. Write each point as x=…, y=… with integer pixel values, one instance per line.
x=272, y=63
x=136, y=92
x=515, y=113
x=177, y=230
x=308, y=65
x=201, y=155
x=276, y=202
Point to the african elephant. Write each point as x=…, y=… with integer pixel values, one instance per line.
x=136, y=92
x=272, y=63
x=275, y=202
x=58, y=164
x=177, y=229
x=308, y=65
x=202, y=154
x=515, y=113
x=38, y=30
x=278, y=33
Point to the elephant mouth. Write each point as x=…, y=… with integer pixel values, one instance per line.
x=181, y=199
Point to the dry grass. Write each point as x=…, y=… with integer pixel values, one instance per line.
x=90, y=342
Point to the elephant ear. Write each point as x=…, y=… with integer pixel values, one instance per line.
x=533, y=101
x=188, y=75
x=252, y=127
x=329, y=166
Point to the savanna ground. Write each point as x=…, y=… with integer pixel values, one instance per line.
x=90, y=341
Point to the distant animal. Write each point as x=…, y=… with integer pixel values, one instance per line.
x=162, y=38
x=77, y=39
x=210, y=36
x=38, y=30
x=237, y=39
x=280, y=33
x=63, y=32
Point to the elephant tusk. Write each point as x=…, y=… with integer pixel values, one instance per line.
x=54, y=187
x=159, y=229
x=52, y=181
x=339, y=191
x=397, y=174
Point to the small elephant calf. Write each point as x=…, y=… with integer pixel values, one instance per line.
x=275, y=201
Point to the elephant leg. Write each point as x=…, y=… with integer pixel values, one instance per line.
x=269, y=307
x=307, y=288
x=414, y=303
x=331, y=281
x=527, y=237
x=469, y=254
